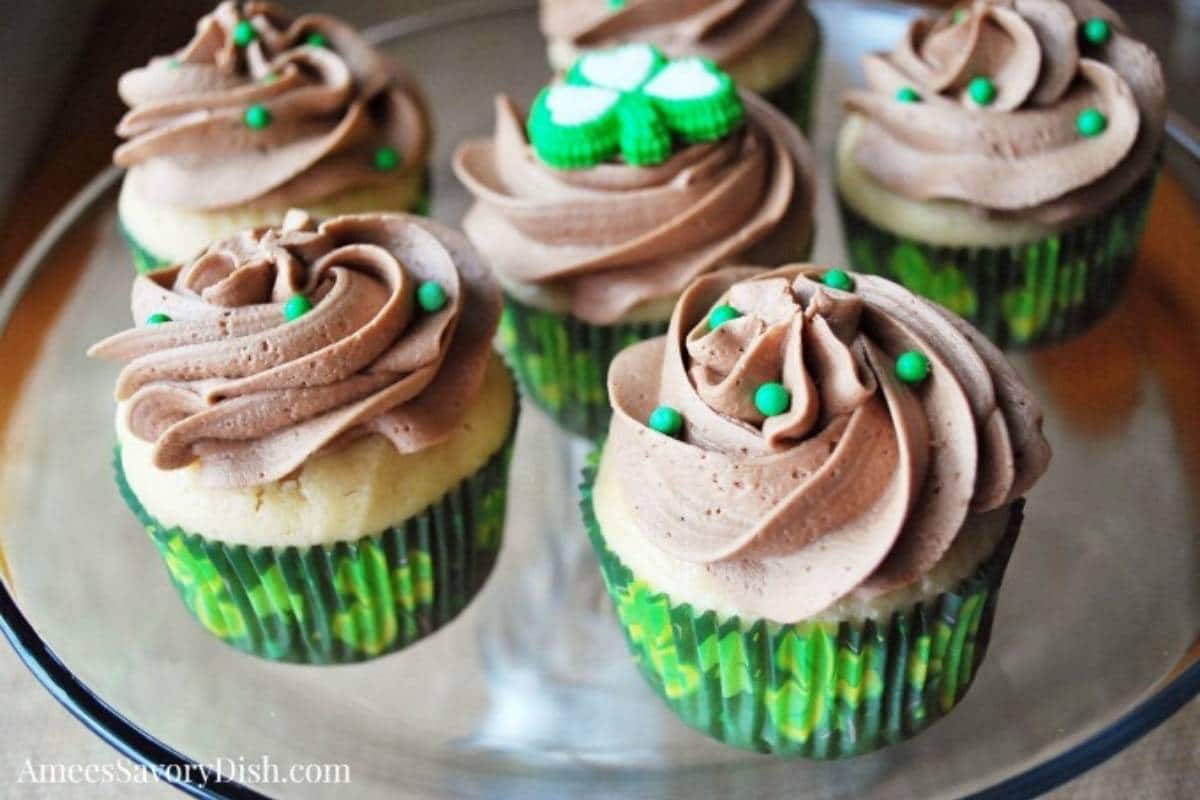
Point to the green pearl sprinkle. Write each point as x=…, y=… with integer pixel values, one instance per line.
x=838, y=279
x=317, y=40
x=772, y=399
x=257, y=117
x=960, y=14
x=912, y=367
x=431, y=296
x=157, y=318
x=908, y=95
x=666, y=421
x=244, y=33
x=1091, y=122
x=982, y=90
x=1097, y=31
x=720, y=315
x=296, y=307
x=386, y=159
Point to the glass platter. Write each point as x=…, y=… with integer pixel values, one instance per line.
x=530, y=693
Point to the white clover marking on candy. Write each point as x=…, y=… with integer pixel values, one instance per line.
x=683, y=80
x=623, y=68
x=575, y=105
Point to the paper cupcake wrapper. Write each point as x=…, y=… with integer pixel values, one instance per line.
x=145, y=261
x=796, y=98
x=562, y=362
x=347, y=602
x=1020, y=296
x=820, y=690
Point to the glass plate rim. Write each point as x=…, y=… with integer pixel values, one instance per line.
x=187, y=775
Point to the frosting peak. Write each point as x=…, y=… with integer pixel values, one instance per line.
x=616, y=235
x=264, y=107
x=251, y=383
x=862, y=482
x=985, y=106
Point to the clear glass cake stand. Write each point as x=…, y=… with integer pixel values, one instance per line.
x=530, y=693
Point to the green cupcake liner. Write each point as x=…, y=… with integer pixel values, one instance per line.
x=562, y=362
x=796, y=98
x=347, y=602
x=145, y=261
x=820, y=690
x=1021, y=296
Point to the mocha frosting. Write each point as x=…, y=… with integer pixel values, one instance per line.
x=332, y=106
x=1022, y=154
x=617, y=235
x=723, y=30
x=863, y=484
x=232, y=385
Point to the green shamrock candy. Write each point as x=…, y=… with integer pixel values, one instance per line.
x=633, y=101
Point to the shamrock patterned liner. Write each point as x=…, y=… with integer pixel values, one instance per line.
x=145, y=261
x=1021, y=296
x=562, y=362
x=820, y=690
x=347, y=602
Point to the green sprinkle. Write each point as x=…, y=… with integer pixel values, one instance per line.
x=772, y=399
x=666, y=420
x=1091, y=122
x=1097, y=31
x=431, y=296
x=173, y=63
x=912, y=367
x=838, y=279
x=982, y=90
x=720, y=315
x=908, y=95
x=386, y=159
x=960, y=15
x=244, y=33
x=270, y=77
x=317, y=40
x=157, y=318
x=257, y=117
x=296, y=307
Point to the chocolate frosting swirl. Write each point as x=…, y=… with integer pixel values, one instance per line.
x=1022, y=154
x=618, y=235
x=863, y=483
x=230, y=382
x=722, y=30
x=332, y=107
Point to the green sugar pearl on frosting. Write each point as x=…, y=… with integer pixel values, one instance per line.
x=912, y=367
x=838, y=279
x=772, y=399
x=386, y=159
x=316, y=40
x=431, y=296
x=296, y=307
x=244, y=33
x=982, y=90
x=1097, y=31
x=257, y=117
x=1091, y=122
x=720, y=315
x=666, y=421
x=157, y=318
x=908, y=95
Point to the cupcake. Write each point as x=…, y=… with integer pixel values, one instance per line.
x=259, y=113
x=315, y=432
x=771, y=47
x=1002, y=161
x=805, y=506
x=622, y=186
